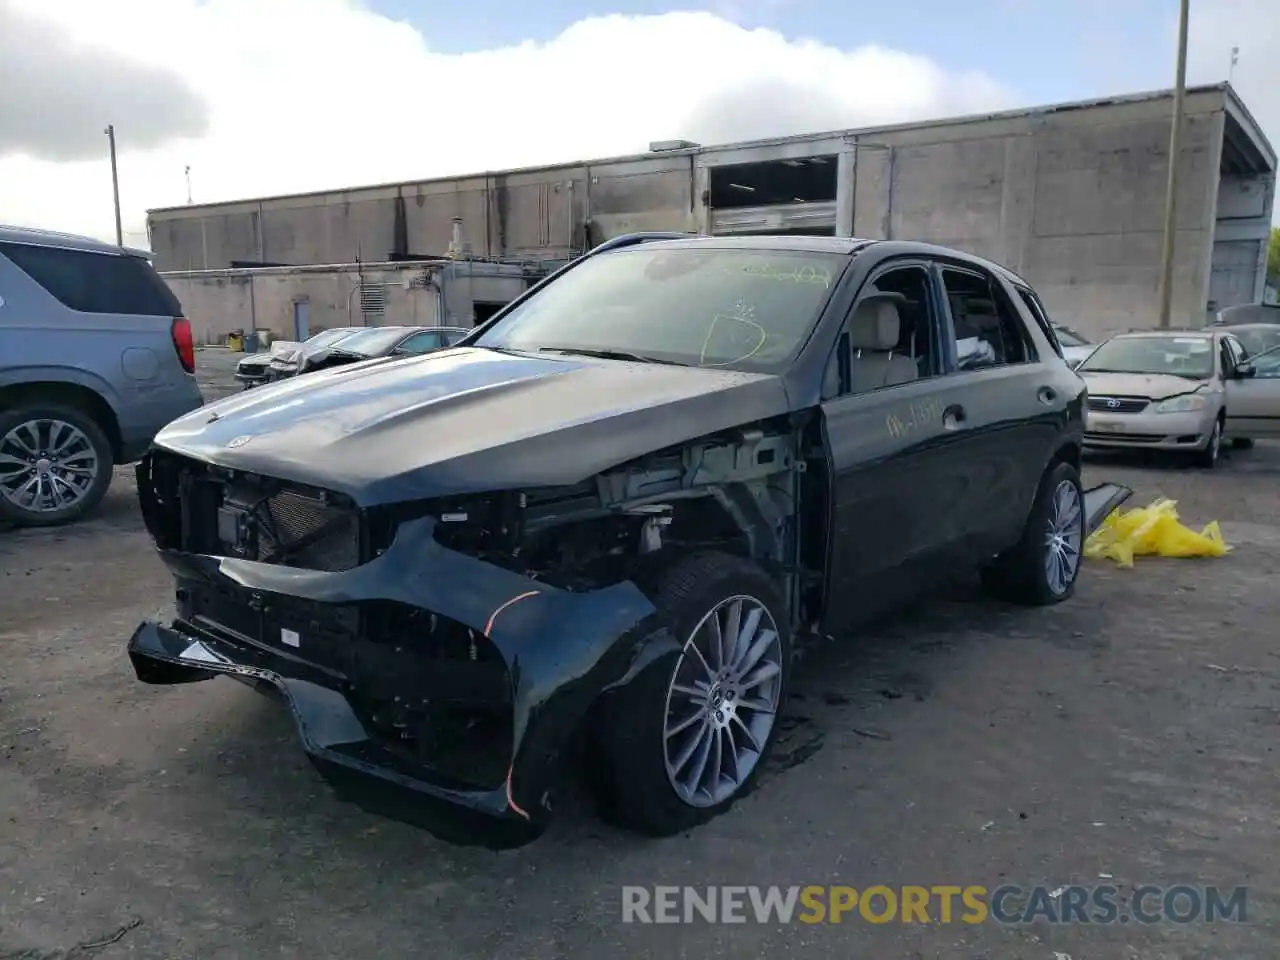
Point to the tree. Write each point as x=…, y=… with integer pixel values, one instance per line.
x=1273, y=257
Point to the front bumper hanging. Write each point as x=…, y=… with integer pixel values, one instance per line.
x=559, y=649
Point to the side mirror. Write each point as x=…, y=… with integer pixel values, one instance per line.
x=1245, y=370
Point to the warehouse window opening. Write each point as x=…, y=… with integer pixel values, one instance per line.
x=482, y=310
x=774, y=182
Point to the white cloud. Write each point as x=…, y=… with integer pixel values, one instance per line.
x=1252, y=25
x=316, y=94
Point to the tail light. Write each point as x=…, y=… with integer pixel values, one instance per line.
x=184, y=344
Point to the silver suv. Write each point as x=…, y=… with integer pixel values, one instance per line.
x=95, y=357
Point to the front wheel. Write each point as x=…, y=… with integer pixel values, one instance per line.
x=55, y=465
x=1209, y=456
x=684, y=740
x=1042, y=568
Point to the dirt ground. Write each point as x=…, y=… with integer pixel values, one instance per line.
x=1125, y=734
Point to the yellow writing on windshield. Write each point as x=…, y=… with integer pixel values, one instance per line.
x=806, y=274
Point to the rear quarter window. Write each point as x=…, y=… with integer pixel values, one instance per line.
x=1041, y=317
x=95, y=282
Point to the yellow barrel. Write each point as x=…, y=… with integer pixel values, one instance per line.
x=235, y=342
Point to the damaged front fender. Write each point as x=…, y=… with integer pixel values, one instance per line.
x=560, y=649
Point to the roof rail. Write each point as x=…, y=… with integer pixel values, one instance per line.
x=633, y=239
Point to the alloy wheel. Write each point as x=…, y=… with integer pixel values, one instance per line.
x=1063, y=537
x=46, y=465
x=722, y=702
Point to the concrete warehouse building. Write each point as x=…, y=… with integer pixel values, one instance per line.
x=1070, y=195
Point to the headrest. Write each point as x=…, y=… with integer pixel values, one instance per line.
x=973, y=313
x=874, y=325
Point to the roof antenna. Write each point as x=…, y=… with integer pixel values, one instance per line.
x=1235, y=58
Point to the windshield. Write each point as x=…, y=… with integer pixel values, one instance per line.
x=1069, y=338
x=1190, y=357
x=733, y=308
x=1257, y=339
x=373, y=341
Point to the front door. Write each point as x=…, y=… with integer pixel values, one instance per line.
x=890, y=427
x=1253, y=403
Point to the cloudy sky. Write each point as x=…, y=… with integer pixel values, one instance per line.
x=276, y=96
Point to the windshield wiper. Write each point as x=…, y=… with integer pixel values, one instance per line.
x=608, y=355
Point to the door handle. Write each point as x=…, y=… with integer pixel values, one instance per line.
x=953, y=417
x=1047, y=396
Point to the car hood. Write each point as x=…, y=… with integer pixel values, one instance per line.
x=466, y=420
x=1154, y=386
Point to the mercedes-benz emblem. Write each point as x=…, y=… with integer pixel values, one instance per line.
x=1110, y=403
x=238, y=441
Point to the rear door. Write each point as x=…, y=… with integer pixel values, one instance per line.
x=1253, y=403
x=1014, y=403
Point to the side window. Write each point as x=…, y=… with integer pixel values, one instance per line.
x=1238, y=352
x=420, y=343
x=1267, y=363
x=890, y=338
x=1041, y=317
x=1228, y=358
x=988, y=331
x=96, y=282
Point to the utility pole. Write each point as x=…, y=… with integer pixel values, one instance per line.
x=1235, y=58
x=188, y=175
x=1171, y=193
x=115, y=182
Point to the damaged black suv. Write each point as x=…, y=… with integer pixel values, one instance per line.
x=613, y=512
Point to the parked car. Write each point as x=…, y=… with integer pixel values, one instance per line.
x=1248, y=313
x=284, y=362
x=368, y=343
x=255, y=369
x=1177, y=391
x=1254, y=337
x=617, y=510
x=95, y=357
x=1075, y=348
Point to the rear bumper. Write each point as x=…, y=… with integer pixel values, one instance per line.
x=559, y=652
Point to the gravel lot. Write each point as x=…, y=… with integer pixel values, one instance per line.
x=1127, y=733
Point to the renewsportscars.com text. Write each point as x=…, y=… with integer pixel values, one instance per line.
x=938, y=904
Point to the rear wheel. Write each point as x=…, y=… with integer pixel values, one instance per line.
x=55, y=464
x=1042, y=568
x=683, y=741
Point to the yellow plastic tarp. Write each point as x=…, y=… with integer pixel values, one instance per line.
x=1152, y=531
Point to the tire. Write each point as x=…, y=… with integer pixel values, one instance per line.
x=1022, y=574
x=1242, y=443
x=1210, y=456
x=631, y=752
x=89, y=450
